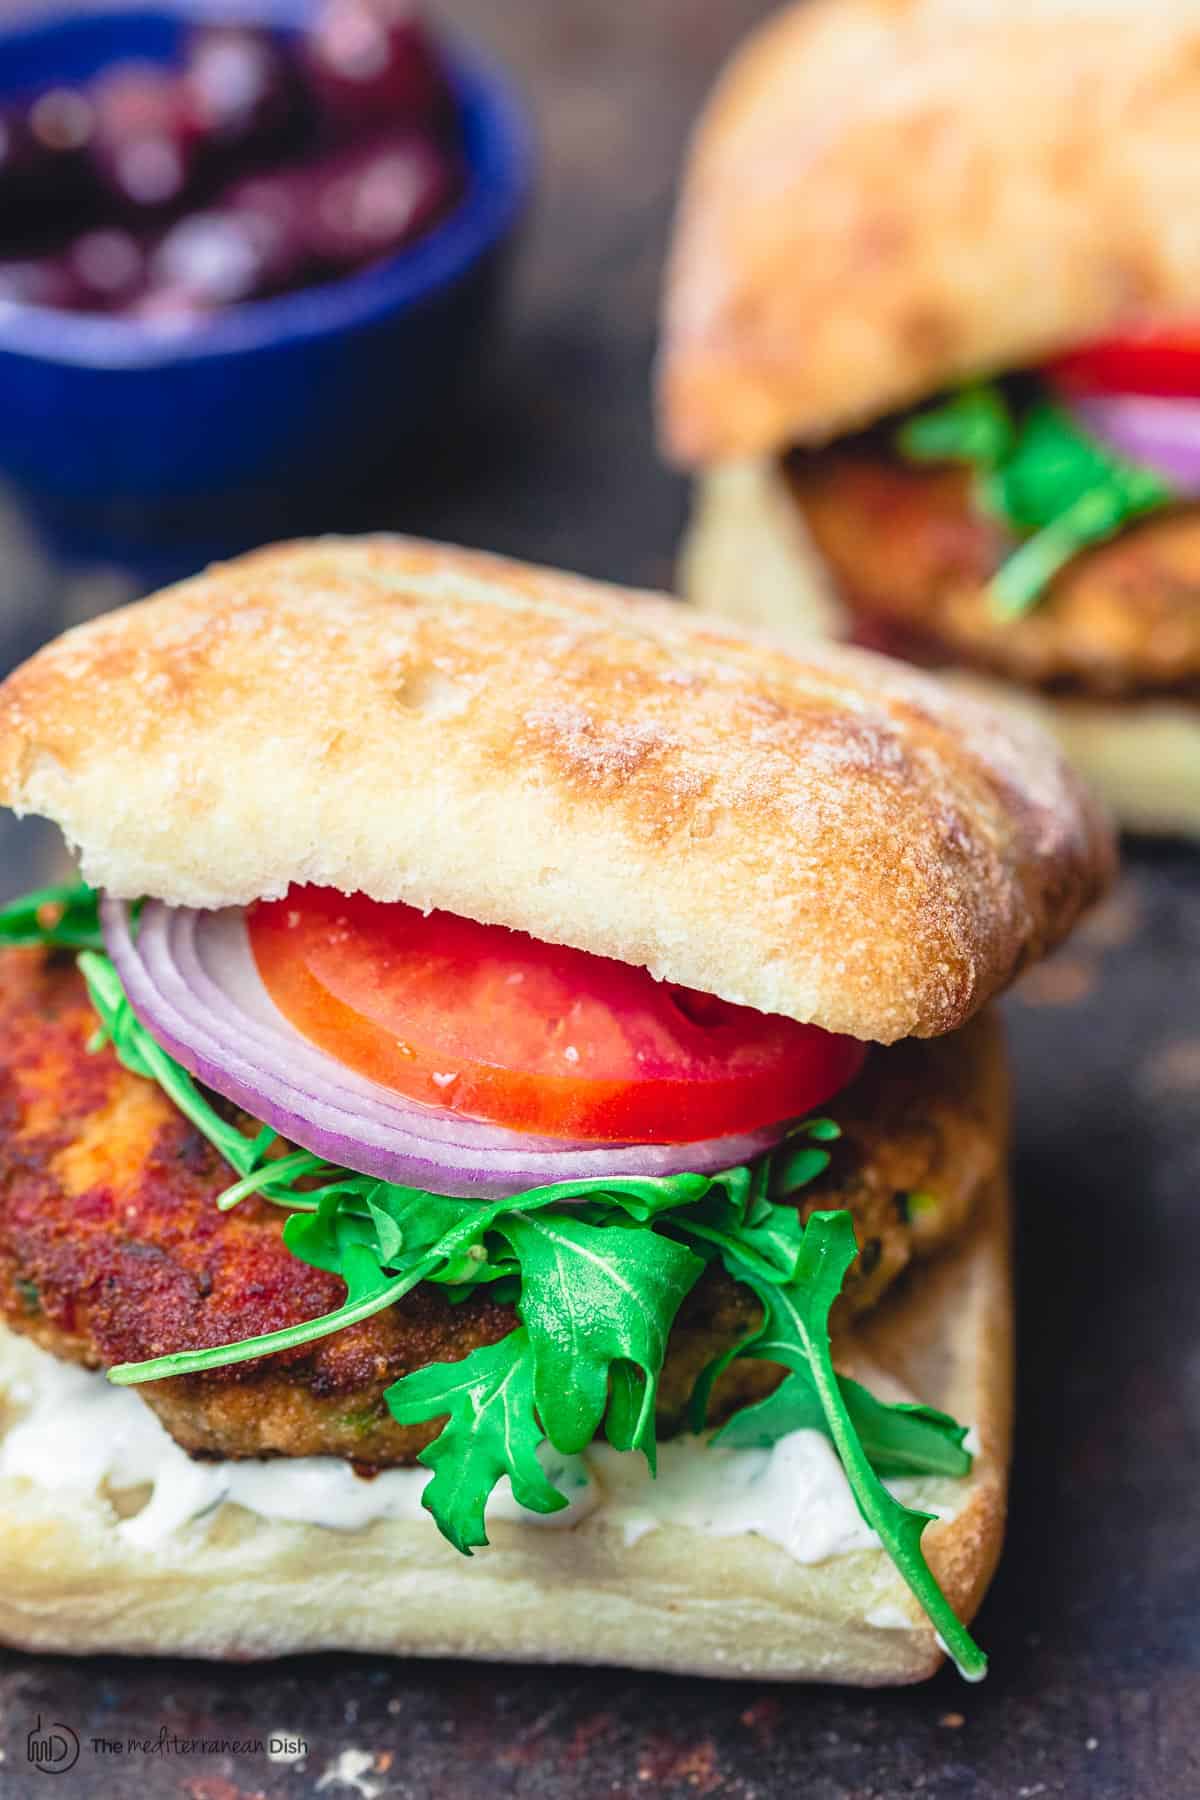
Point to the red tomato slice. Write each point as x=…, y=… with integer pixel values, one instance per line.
x=1162, y=360
x=499, y=1026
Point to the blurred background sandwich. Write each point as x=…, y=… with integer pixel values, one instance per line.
x=931, y=344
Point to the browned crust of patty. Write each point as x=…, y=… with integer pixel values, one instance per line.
x=911, y=556
x=112, y=1249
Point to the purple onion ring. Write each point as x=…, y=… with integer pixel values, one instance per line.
x=1161, y=434
x=192, y=981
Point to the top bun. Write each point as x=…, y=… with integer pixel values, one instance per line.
x=827, y=835
x=885, y=196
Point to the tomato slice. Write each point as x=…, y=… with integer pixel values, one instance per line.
x=1152, y=359
x=536, y=1037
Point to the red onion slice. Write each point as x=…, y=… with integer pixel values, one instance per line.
x=1163, y=435
x=207, y=957
x=192, y=981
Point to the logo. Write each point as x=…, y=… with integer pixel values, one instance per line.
x=52, y=1749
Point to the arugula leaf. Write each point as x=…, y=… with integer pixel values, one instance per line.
x=273, y=1180
x=899, y=1438
x=407, y=1222
x=745, y=1214
x=627, y=1409
x=974, y=425
x=326, y=1237
x=904, y=1438
x=492, y=1431
x=66, y=916
x=363, y=1303
x=142, y=1055
x=1042, y=475
x=770, y=1247
x=1069, y=491
x=1054, y=464
x=795, y=1166
x=1097, y=514
x=795, y=1332
x=592, y=1296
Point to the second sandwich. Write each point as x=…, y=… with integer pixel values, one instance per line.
x=931, y=341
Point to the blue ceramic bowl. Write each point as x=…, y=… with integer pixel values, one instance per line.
x=116, y=434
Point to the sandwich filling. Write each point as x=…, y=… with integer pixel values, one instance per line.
x=1039, y=528
x=332, y=1179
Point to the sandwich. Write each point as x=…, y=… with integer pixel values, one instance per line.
x=504, y=1144
x=930, y=344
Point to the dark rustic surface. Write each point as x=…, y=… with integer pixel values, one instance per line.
x=1094, y=1620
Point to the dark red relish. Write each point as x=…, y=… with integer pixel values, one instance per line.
x=247, y=93
x=261, y=165
x=373, y=63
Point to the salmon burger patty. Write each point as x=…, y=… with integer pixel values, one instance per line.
x=112, y=1248
x=911, y=555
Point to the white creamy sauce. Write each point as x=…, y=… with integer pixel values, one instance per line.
x=887, y=1616
x=80, y=1433
x=794, y=1494
x=76, y=1433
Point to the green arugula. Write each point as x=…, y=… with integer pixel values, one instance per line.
x=870, y=1437
x=796, y=1332
x=492, y=1431
x=596, y=1271
x=899, y=1439
x=1041, y=474
x=65, y=917
x=138, y=1052
x=975, y=425
x=595, y=1296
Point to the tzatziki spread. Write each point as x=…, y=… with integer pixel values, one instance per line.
x=72, y=1432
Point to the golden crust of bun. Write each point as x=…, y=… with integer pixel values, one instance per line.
x=237, y=1585
x=827, y=835
x=1141, y=756
x=884, y=196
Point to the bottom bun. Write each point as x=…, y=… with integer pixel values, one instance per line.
x=235, y=1584
x=747, y=556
